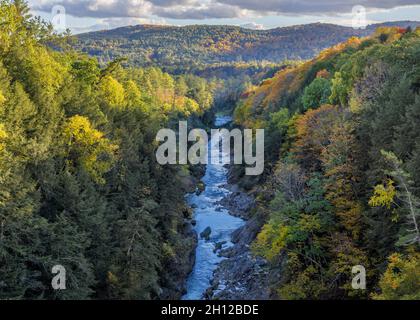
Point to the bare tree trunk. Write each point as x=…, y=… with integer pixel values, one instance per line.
x=412, y=212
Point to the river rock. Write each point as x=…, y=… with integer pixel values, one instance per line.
x=238, y=203
x=206, y=233
x=240, y=277
x=200, y=188
x=218, y=245
x=247, y=233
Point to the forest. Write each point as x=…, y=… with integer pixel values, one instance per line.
x=342, y=183
x=184, y=49
x=80, y=185
x=79, y=182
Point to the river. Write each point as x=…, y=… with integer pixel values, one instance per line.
x=208, y=213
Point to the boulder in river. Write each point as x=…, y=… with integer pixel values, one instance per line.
x=239, y=204
x=206, y=233
x=218, y=245
x=200, y=188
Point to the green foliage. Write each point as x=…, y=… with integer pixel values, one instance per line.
x=410, y=203
x=79, y=184
x=383, y=195
x=322, y=217
x=112, y=91
x=339, y=90
x=277, y=128
x=188, y=48
x=89, y=147
x=401, y=278
x=270, y=241
x=316, y=94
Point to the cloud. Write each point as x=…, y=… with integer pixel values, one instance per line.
x=99, y=8
x=175, y=9
x=206, y=9
x=112, y=23
x=302, y=7
x=172, y=3
x=253, y=26
x=203, y=11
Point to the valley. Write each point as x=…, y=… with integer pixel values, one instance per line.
x=82, y=186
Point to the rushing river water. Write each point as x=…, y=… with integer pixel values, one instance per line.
x=208, y=213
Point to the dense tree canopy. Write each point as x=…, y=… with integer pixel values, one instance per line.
x=79, y=184
x=188, y=48
x=342, y=189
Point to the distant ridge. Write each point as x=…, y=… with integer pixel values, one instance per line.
x=175, y=46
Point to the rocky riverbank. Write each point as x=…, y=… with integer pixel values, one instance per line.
x=183, y=264
x=237, y=202
x=240, y=276
x=175, y=287
x=225, y=267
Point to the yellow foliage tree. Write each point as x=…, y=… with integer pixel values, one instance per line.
x=401, y=280
x=112, y=91
x=270, y=241
x=88, y=147
x=383, y=196
x=306, y=284
x=3, y=136
x=2, y=98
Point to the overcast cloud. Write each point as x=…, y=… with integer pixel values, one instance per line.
x=326, y=7
x=207, y=9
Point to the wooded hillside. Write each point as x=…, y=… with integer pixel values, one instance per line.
x=342, y=184
x=79, y=182
x=185, y=48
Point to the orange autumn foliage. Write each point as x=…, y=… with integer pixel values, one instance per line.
x=342, y=176
x=313, y=133
x=274, y=92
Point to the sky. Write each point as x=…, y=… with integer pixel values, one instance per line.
x=91, y=15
